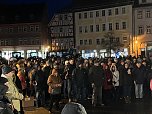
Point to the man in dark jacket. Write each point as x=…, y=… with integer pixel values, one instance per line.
x=139, y=77
x=96, y=77
x=79, y=79
x=39, y=80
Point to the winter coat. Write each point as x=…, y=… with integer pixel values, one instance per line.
x=96, y=76
x=53, y=82
x=108, y=79
x=79, y=77
x=127, y=78
x=12, y=92
x=139, y=75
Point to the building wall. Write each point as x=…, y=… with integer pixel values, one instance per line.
x=61, y=32
x=84, y=21
x=143, y=27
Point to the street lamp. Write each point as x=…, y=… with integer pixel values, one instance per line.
x=136, y=42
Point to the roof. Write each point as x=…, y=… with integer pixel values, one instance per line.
x=10, y=14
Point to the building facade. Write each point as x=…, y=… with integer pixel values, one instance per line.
x=142, y=28
x=92, y=24
x=24, y=30
x=61, y=33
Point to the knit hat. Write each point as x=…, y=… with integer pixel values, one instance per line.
x=73, y=108
x=6, y=69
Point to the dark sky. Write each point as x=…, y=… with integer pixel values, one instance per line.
x=54, y=5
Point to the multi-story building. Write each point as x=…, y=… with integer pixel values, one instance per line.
x=23, y=28
x=93, y=23
x=61, y=32
x=142, y=26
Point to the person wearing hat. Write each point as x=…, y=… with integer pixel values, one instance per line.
x=73, y=108
x=5, y=106
x=12, y=92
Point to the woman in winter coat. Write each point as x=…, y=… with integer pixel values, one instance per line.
x=115, y=82
x=54, y=82
x=108, y=87
x=127, y=83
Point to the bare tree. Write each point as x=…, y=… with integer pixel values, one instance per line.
x=111, y=42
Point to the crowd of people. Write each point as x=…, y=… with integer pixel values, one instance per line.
x=103, y=80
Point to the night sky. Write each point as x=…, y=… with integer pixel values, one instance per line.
x=54, y=5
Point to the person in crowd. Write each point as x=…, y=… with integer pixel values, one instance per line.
x=54, y=82
x=5, y=105
x=27, y=70
x=31, y=74
x=127, y=83
x=108, y=86
x=115, y=82
x=12, y=93
x=79, y=79
x=96, y=78
x=69, y=67
x=73, y=108
x=139, y=77
x=39, y=80
x=23, y=81
x=121, y=69
x=47, y=71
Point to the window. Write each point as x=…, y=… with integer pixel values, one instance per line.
x=90, y=41
x=97, y=28
x=2, y=43
x=98, y=41
x=81, y=42
x=148, y=31
x=148, y=14
x=117, y=39
x=124, y=39
x=123, y=10
x=80, y=16
x=10, y=29
x=103, y=13
x=103, y=27
x=116, y=11
x=85, y=29
x=97, y=13
x=140, y=30
x=61, y=29
x=143, y=1
x=85, y=42
x=60, y=17
x=80, y=29
x=109, y=12
x=124, y=26
x=91, y=28
x=117, y=26
x=85, y=15
x=139, y=15
x=20, y=29
x=25, y=28
x=110, y=26
x=65, y=17
x=31, y=28
x=91, y=14
x=37, y=28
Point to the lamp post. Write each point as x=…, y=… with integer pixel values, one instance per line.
x=136, y=42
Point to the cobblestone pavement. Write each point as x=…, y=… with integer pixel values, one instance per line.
x=136, y=107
